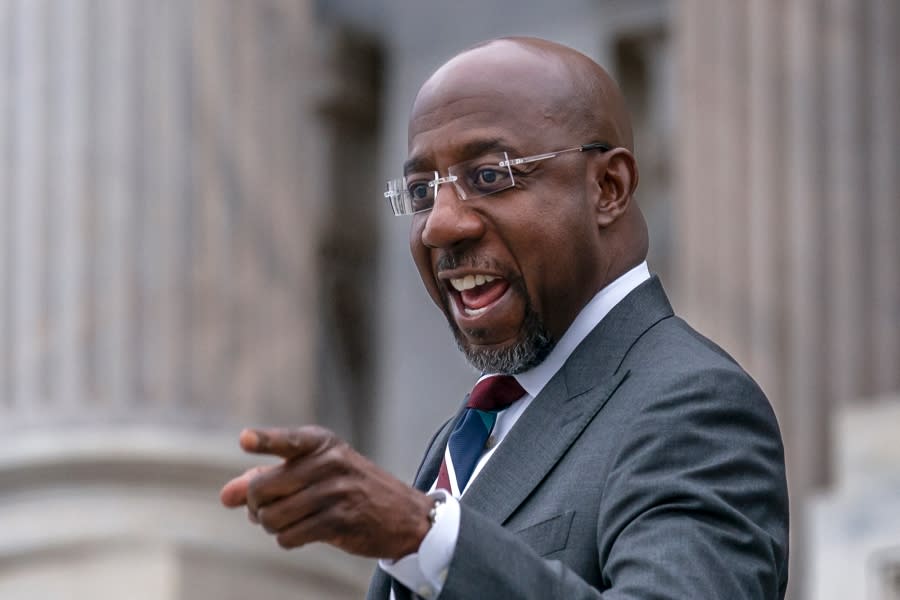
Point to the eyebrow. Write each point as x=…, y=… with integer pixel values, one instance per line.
x=472, y=149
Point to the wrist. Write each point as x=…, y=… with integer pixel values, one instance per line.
x=429, y=566
x=424, y=515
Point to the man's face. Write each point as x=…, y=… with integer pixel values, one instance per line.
x=510, y=270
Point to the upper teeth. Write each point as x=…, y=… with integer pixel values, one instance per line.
x=470, y=281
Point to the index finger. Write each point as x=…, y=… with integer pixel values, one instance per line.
x=286, y=443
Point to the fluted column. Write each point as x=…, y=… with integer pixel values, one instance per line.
x=160, y=227
x=789, y=207
x=164, y=180
x=881, y=48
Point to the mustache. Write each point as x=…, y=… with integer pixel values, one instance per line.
x=456, y=260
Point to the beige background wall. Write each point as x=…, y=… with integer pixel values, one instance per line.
x=192, y=240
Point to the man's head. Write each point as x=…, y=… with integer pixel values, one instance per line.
x=536, y=252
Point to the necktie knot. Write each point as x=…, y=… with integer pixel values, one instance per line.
x=495, y=393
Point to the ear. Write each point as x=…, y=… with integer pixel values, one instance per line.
x=614, y=178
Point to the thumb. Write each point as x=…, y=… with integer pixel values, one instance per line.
x=286, y=443
x=234, y=493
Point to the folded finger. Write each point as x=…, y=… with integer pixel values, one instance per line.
x=285, y=512
x=234, y=493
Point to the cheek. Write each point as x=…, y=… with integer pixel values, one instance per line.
x=553, y=244
x=422, y=258
x=541, y=260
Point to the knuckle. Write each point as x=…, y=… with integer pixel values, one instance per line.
x=254, y=485
x=265, y=518
x=339, y=455
x=254, y=492
x=332, y=457
x=340, y=516
x=294, y=437
x=351, y=488
x=337, y=530
x=326, y=437
x=341, y=488
x=319, y=432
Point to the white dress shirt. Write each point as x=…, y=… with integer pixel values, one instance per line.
x=425, y=571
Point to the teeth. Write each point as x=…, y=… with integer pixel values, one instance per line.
x=474, y=312
x=469, y=281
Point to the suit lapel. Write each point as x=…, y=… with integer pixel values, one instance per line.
x=380, y=586
x=565, y=406
x=431, y=464
x=534, y=445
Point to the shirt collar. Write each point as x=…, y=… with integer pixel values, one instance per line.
x=534, y=380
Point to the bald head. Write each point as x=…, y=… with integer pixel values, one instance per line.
x=569, y=88
x=554, y=93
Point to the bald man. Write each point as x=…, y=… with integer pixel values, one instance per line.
x=608, y=450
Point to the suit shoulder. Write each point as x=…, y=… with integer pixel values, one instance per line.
x=672, y=350
x=672, y=362
x=674, y=344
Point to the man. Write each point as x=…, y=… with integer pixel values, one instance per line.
x=629, y=457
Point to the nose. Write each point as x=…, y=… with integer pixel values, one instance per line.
x=451, y=221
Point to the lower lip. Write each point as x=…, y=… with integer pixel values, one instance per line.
x=481, y=315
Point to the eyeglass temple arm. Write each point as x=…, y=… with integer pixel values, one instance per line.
x=545, y=156
x=596, y=146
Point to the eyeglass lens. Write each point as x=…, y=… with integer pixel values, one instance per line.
x=471, y=179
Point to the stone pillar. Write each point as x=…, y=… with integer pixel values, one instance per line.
x=789, y=208
x=162, y=201
x=159, y=231
x=348, y=101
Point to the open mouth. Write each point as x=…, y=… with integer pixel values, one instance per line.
x=476, y=294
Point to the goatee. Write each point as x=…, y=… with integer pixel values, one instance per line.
x=530, y=351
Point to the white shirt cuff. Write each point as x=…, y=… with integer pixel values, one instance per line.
x=425, y=571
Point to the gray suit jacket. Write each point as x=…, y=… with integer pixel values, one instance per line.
x=650, y=467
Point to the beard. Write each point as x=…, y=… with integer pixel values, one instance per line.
x=531, y=350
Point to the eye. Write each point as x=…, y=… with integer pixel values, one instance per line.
x=487, y=176
x=421, y=193
x=418, y=190
x=490, y=178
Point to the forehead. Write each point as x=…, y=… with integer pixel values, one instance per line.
x=510, y=99
x=465, y=137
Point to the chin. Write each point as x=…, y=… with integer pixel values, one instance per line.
x=528, y=351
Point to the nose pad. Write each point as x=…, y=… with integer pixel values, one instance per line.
x=449, y=179
x=446, y=195
x=458, y=189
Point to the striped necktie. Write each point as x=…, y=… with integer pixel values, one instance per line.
x=467, y=441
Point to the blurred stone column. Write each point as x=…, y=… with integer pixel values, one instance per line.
x=159, y=215
x=789, y=208
x=160, y=247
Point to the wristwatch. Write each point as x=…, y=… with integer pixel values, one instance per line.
x=435, y=513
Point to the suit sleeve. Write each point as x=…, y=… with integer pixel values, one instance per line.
x=694, y=507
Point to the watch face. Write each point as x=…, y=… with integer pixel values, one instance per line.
x=435, y=511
